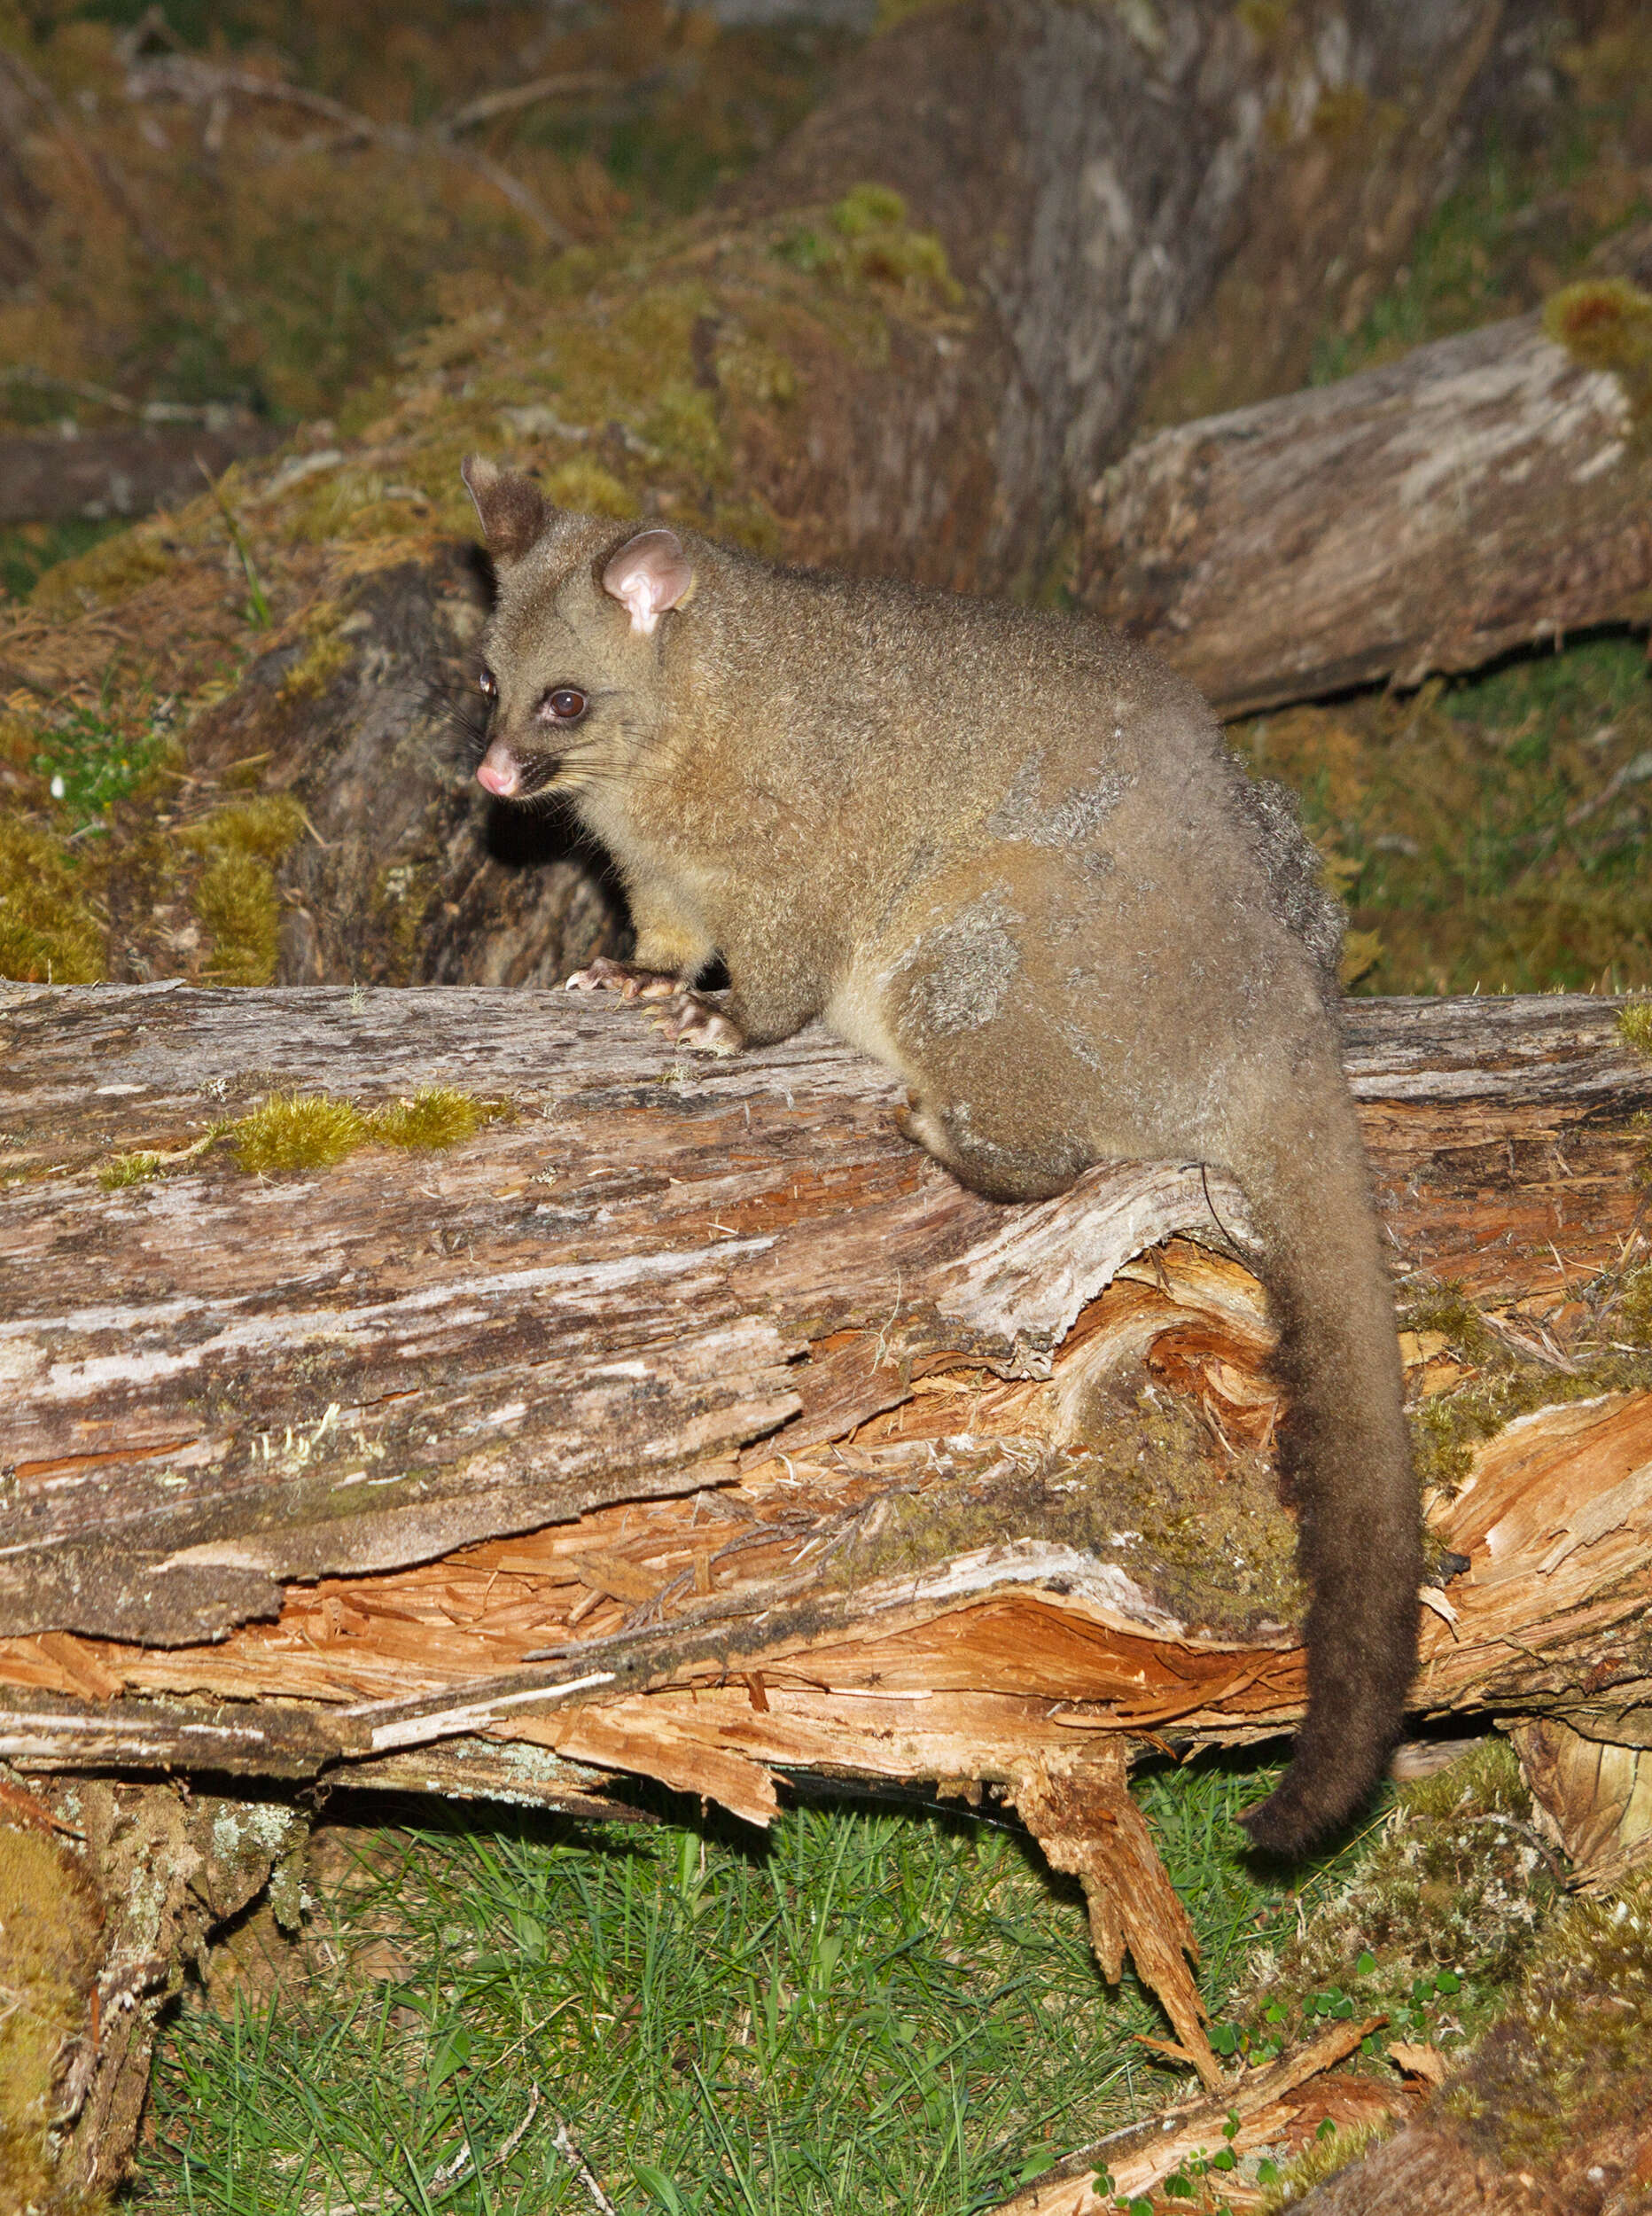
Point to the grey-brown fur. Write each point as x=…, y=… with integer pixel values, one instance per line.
x=1008, y=854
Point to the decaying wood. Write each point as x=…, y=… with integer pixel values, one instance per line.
x=166, y=1867
x=686, y=1422
x=1481, y=493
x=1140, y=2157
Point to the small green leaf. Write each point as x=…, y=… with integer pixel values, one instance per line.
x=1224, y=2039
x=1267, y=2170
x=660, y=2185
x=1448, y=1981
x=1327, y=2130
x=1366, y=1964
x=1224, y=2158
x=1230, y=2129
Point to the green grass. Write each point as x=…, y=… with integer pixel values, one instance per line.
x=1493, y=832
x=867, y=2011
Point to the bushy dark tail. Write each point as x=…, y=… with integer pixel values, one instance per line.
x=1344, y=1454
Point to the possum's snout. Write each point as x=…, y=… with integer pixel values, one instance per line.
x=500, y=772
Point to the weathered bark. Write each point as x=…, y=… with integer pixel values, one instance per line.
x=126, y=473
x=1481, y=493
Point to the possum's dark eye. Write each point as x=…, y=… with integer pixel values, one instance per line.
x=490, y=684
x=564, y=704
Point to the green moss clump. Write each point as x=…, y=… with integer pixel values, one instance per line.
x=300, y=1131
x=1633, y=1318
x=868, y=207
x=873, y=245
x=131, y=1169
x=436, y=1117
x=236, y=900
x=1634, y=1024
x=1572, y=2061
x=109, y=572
x=296, y=1131
x=1439, y=1919
x=235, y=897
x=1606, y=323
x=588, y=487
x=47, y=932
x=1449, y=1310
x=1321, y=2158
x=683, y=422
x=328, y=655
x=50, y=1943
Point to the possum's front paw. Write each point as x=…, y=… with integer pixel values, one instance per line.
x=627, y=979
x=699, y=1024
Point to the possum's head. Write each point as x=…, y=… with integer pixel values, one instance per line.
x=571, y=652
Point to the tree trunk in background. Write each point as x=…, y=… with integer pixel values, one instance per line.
x=1088, y=170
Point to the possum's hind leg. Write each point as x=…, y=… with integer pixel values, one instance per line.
x=1003, y=1172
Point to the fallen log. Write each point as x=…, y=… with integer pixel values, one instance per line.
x=683, y=1420
x=1485, y=493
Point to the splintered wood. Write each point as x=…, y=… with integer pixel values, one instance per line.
x=685, y=1422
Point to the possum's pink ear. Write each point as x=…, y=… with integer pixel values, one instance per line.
x=649, y=575
x=511, y=507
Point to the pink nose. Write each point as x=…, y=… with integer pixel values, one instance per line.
x=498, y=771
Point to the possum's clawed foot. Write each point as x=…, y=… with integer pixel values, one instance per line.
x=627, y=979
x=700, y=1025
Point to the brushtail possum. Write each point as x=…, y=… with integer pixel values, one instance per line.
x=1008, y=854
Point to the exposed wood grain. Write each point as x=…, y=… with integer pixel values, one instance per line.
x=1480, y=494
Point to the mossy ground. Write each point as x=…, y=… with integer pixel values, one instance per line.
x=1433, y=1930
x=253, y=261
x=1573, y=2059
x=50, y=1945
x=1535, y=199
